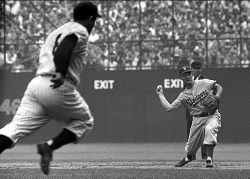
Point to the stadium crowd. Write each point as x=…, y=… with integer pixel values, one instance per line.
x=137, y=34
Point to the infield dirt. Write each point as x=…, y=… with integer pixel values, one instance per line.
x=126, y=160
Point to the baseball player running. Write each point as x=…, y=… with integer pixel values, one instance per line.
x=52, y=94
x=206, y=122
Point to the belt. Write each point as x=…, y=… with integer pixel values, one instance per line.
x=48, y=75
x=204, y=114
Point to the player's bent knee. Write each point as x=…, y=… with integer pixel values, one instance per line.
x=80, y=127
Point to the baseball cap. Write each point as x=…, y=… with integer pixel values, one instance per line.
x=184, y=69
x=85, y=10
x=195, y=65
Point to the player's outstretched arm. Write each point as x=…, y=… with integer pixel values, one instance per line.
x=164, y=101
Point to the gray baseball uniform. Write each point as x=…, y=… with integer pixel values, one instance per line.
x=192, y=99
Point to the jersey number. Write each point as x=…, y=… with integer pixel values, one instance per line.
x=56, y=44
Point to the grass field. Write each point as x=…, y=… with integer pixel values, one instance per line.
x=126, y=160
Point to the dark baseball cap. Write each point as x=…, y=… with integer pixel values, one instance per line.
x=184, y=69
x=84, y=10
x=195, y=65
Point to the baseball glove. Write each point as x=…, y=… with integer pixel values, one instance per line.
x=212, y=103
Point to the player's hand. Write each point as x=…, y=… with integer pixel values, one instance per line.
x=159, y=89
x=57, y=80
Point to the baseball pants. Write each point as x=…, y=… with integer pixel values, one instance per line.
x=204, y=130
x=41, y=104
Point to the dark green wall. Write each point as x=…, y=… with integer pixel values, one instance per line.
x=127, y=109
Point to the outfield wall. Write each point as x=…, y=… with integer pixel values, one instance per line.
x=127, y=109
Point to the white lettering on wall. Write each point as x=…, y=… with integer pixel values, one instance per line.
x=173, y=83
x=103, y=84
x=10, y=107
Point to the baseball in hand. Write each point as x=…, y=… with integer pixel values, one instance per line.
x=159, y=88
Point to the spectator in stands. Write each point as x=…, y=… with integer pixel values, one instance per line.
x=11, y=55
x=182, y=21
x=1, y=57
x=183, y=62
x=245, y=62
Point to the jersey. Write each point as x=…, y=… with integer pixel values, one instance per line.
x=188, y=116
x=46, y=62
x=192, y=99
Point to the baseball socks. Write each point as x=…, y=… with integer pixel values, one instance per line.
x=210, y=151
x=65, y=137
x=5, y=143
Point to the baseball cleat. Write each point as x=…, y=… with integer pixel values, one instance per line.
x=183, y=162
x=46, y=157
x=209, y=163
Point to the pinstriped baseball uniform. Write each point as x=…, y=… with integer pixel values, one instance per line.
x=192, y=99
x=41, y=103
x=47, y=65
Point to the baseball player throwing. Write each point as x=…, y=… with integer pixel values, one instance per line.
x=52, y=94
x=206, y=119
